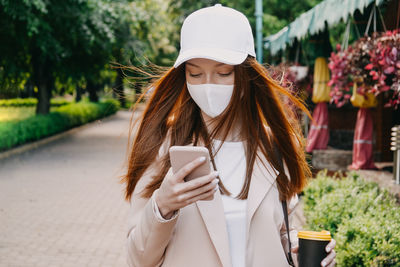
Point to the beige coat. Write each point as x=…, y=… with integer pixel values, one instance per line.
x=198, y=236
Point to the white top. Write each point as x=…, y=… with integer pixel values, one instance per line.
x=231, y=165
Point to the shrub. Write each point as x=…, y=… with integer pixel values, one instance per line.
x=363, y=218
x=88, y=111
x=30, y=102
x=14, y=133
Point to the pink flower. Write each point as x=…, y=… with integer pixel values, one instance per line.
x=369, y=66
x=389, y=70
x=374, y=75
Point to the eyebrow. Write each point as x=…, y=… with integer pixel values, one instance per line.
x=219, y=64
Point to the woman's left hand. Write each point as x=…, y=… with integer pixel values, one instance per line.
x=329, y=261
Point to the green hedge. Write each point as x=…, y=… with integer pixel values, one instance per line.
x=33, y=128
x=363, y=218
x=30, y=102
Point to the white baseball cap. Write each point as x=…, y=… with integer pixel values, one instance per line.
x=219, y=33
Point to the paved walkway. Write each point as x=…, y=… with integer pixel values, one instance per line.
x=62, y=205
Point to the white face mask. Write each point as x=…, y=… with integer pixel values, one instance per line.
x=211, y=98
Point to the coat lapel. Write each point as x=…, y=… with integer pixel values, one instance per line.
x=213, y=216
x=261, y=181
x=212, y=212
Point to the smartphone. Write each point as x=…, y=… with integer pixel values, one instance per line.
x=181, y=155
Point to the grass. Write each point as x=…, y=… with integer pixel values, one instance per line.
x=18, y=113
x=21, y=125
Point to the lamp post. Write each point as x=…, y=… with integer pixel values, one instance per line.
x=395, y=147
x=258, y=14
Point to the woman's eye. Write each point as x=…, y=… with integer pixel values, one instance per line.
x=221, y=74
x=226, y=74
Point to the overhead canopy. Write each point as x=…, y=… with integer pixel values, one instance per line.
x=313, y=21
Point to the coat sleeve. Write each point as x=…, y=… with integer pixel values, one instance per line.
x=147, y=235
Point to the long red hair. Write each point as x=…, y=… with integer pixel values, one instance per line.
x=257, y=100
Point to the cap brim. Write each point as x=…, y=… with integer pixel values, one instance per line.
x=220, y=55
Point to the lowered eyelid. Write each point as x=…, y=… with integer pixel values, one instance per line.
x=218, y=72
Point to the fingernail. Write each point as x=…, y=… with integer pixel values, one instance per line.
x=216, y=173
x=323, y=263
x=215, y=181
x=328, y=249
x=202, y=159
x=216, y=188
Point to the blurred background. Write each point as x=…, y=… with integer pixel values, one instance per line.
x=69, y=90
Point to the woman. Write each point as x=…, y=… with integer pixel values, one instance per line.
x=216, y=96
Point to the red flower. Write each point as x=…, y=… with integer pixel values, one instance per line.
x=374, y=75
x=369, y=66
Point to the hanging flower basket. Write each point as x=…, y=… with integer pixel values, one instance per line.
x=363, y=100
x=384, y=66
x=340, y=82
x=373, y=63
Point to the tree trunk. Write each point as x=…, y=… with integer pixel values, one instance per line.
x=138, y=90
x=118, y=89
x=29, y=89
x=92, y=90
x=44, y=81
x=44, y=95
x=78, y=96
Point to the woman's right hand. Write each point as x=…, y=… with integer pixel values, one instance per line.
x=174, y=193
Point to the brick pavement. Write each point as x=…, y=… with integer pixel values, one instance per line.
x=61, y=204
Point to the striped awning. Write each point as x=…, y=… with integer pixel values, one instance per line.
x=313, y=21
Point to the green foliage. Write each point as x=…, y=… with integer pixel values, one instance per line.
x=59, y=45
x=14, y=133
x=363, y=218
x=30, y=102
x=84, y=112
x=157, y=27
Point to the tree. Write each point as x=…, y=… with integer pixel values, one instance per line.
x=145, y=35
x=56, y=39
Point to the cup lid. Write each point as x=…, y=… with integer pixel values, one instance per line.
x=322, y=235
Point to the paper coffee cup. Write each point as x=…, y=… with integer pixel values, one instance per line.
x=312, y=247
